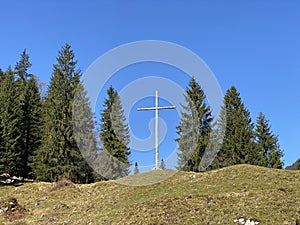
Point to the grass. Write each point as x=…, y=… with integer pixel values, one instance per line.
x=217, y=197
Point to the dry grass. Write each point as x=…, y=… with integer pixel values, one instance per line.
x=63, y=184
x=218, y=197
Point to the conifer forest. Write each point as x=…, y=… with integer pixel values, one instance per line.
x=37, y=134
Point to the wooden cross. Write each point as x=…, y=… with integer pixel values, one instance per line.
x=156, y=108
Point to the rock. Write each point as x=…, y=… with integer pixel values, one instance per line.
x=241, y=220
x=5, y=175
x=6, y=179
x=249, y=222
x=60, y=206
x=9, y=181
x=18, y=178
x=8, y=204
x=11, y=209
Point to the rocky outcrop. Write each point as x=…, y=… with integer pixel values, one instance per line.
x=6, y=179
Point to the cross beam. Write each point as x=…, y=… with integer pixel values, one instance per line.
x=156, y=108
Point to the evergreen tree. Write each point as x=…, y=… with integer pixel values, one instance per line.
x=32, y=135
x=275, y=156
x=22, y=66
x=1, y=76
x=162, y=165
x=59, y=156
x=294, y=166
x=11, y=153
x=269, y=153
x=84, y=133
x=136, y=168
x=2, y=149
x=194, y=128
x=30, y=104
x=212, y=149
x=235, y=123
x=114, y=135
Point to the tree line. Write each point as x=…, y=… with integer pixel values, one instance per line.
x=38, y=137
x=204, y=143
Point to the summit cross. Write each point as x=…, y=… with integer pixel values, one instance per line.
x=156, y=108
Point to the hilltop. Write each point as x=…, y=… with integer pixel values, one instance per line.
x=268, y=196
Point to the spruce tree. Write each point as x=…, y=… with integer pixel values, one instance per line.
x=11, y=153
x=267, y=144
x=294, y=166
x=30, y=104
x=59, y=156
x=84, y=133
x=194, y=128
x=2, y=149
x=1, y=76
x=235, y=123
x=114, y=136
x=32, y=134
x=275, y=155
x=22, y=66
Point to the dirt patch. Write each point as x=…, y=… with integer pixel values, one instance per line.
x=11, y=209
x=63, y=184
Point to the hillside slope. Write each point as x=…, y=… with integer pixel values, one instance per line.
x=217, y=197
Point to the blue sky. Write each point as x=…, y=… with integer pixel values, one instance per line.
x=253, y=45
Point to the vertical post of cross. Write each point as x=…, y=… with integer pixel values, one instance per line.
x=156, y=108
x=156, y=129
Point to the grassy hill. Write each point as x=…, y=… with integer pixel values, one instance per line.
x=217, y=197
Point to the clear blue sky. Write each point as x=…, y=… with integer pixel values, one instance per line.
x=254, y=45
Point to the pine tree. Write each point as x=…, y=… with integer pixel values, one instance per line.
x=194, y=128
x=59, y=156
x=162, y=165
x=136, y=168
x=11, y=153
x=114, y=135
x=235, y=123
